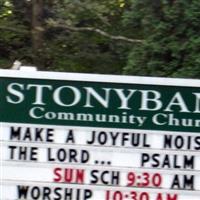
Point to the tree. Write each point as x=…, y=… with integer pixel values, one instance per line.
x=92, y=35
x=172, y=42
x=14, y=32
x=69, y=35
x=37, y=30
x=153, y=38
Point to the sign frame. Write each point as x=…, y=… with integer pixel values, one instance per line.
x=105, y=79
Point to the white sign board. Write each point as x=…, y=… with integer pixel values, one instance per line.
x=109, y=150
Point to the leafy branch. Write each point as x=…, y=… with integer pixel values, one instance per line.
x=12, y=29
x=95, y=30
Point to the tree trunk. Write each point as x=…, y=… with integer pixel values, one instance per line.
x=37, y=31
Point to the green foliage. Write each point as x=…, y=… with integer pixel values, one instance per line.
x=86, y=51
x=14, y=35
x=169, y=28
x=64, y=50
x=172, y=42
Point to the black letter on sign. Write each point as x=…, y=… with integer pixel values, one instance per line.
x=70, y=137
x=22, y=191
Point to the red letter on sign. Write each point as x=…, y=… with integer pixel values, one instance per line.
x=174, y=197
x=57, y=174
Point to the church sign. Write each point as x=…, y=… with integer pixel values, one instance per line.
x=71, y=136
